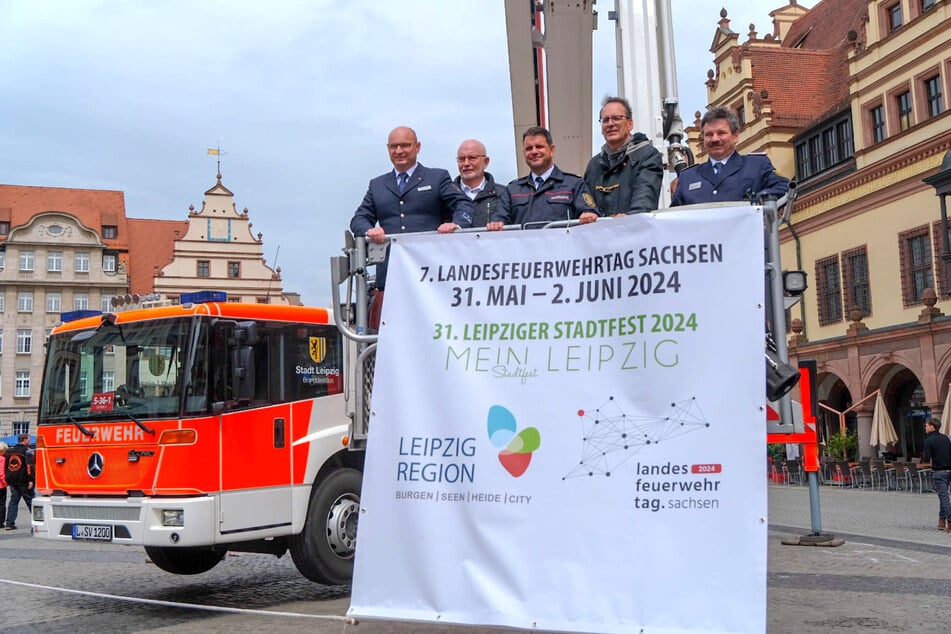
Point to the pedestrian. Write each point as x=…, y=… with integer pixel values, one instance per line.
x=938, y=453
x=626, y=176
x=476, y=183
x=409, y=198
x=20, y=479
x=3, y=483
x=546, y=194
x=728, y=175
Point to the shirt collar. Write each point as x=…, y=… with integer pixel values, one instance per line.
x=472, y=192
x=545, y=175
x=409, y=172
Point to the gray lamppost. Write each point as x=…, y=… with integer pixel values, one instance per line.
x=942, y=184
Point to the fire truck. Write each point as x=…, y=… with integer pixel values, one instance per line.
x=198, y=429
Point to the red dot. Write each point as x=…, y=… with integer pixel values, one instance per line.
x=580, y=412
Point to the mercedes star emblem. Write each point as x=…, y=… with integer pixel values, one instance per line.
x=94, y=466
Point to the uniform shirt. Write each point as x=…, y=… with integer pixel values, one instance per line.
x=562, y=197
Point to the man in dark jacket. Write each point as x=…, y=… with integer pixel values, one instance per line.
x=626, y=177
x=476, y=183
x=938, y=453
x=546, y=194
x=20, y=479
x=727, y=175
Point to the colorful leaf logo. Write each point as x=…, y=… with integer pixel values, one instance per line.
x=516, y=448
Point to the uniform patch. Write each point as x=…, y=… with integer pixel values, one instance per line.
x=588, y=199
x=694, y=186
x=560, y=198
x=424, y=188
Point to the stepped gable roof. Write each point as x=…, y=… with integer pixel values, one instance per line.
x=152, y=245
x=92, y=207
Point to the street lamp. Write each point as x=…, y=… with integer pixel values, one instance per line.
x=942, y=185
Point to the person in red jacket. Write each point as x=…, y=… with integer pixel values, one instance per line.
x=3, y=483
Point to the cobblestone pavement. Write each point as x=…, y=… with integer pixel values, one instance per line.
x=891, y=575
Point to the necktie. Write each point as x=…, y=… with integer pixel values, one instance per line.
x=538, y=182
x=402, y=181
x=716, y=168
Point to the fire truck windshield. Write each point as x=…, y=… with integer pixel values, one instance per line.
x=139, y=369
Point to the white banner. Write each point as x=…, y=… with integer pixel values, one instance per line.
x=568, y=429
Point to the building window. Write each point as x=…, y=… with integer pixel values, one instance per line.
x=25, y=302
x=933, y=96
x=81, y=301
x=26, y=260
x=108, y=380
x=82, y=262
x=24, y=341
x=105, y=304
x=23, y=384
x=904, y=110
x=204, y=268
x=3, y=259
x=109, y=263
x=234, y=270
x=894, y=17
x=21, y=427
x=858, y=292
x=877, y=115
x=4, y=227
x=829, y=290
x=110, y=232
x=3, y=296
x=915, y=252
x=54, y=261
x=741, y=114
x=54, y=302
x=1, y=340
x=926, y=5
x=824, y=148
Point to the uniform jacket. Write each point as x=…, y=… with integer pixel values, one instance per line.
x=561, y=197
x=430, y=199
x=486, y=201
x=744, y=177
x=627, y=181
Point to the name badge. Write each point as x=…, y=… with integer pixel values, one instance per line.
x=424, y=188
x=694, y=186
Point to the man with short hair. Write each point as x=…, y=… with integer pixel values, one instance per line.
x=476, y=183
x=938, y=453
x=727, y=175
x=20, y=479
x=626, y=176
x=409, y=198
x=546, y=194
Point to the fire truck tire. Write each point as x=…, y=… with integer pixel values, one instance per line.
x=185, y=561
x=323, y=551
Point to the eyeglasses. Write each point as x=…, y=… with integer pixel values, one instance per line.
x=472, y=159
x=613, y=118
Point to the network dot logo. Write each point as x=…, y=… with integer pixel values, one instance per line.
x=515, y=448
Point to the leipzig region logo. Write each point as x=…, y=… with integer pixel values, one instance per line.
x=515, y=448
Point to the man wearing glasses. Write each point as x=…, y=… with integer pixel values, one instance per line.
x=626, y=176
x=407, y=199
x=476, y=183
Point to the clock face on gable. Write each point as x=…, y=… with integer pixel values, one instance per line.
x=219, y=230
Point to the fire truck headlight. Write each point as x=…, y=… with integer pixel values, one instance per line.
x=37, y=513
x=173, y=517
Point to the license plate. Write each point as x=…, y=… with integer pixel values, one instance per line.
x=92, y=532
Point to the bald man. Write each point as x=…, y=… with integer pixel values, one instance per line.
x=476, y=183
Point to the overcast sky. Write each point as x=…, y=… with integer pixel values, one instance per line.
x=129, y=94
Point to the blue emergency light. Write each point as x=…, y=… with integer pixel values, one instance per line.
x=73, y=315
x=203, y=297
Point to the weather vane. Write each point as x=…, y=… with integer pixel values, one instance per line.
x=216, y=151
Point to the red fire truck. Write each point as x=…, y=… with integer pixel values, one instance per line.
x=198, y=429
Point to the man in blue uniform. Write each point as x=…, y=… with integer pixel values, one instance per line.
x=410, y=198
x=727, y=175
x=546, y=194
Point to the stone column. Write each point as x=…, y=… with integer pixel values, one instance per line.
x=864, y=415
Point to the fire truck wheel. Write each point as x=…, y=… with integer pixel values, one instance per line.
x=323, y=551
x=185, y=561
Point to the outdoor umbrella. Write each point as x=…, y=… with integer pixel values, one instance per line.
x=883, y=432
x=12, y=440
x=946, y=415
